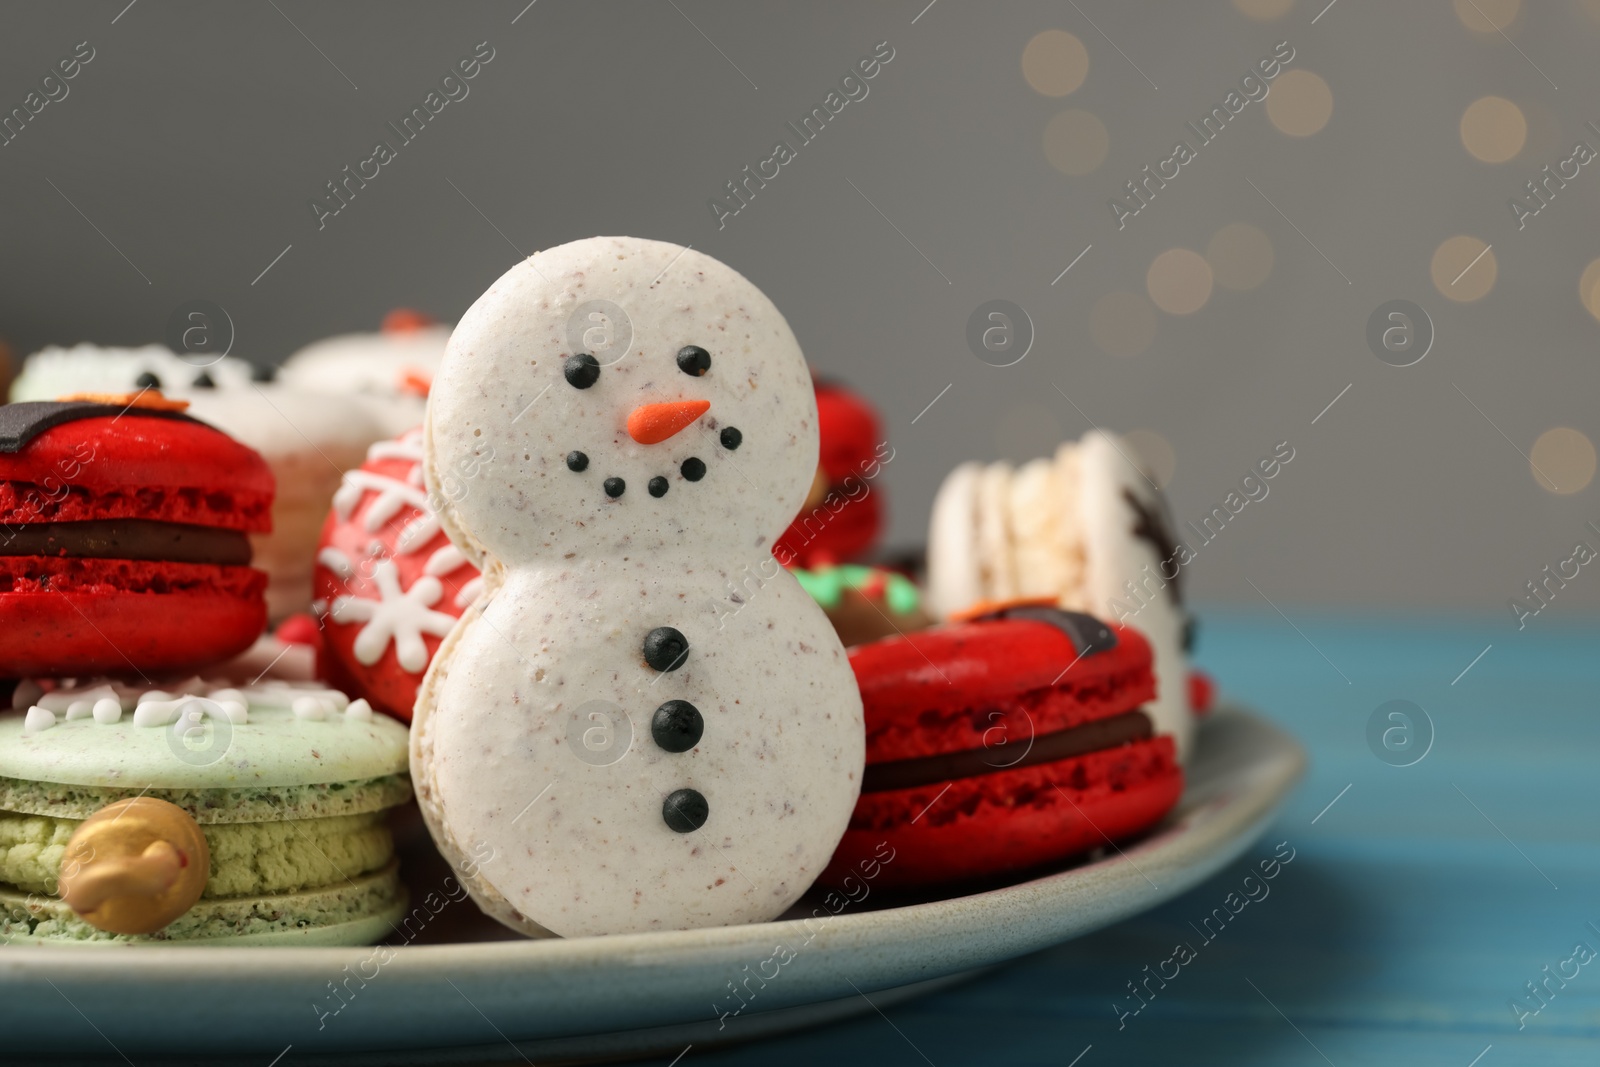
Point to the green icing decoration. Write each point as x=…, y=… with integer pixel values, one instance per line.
x=827, y=586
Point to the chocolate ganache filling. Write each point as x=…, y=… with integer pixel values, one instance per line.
x=135, y=539
x=1047, y=748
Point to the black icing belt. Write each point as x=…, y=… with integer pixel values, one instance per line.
x=1047, y=748
x=136, y=539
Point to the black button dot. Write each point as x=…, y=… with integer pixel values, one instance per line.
x=693, y=469
x=731, y=438
x=147, y=381
x=685, y=811
x=203, y=381
x=615, y=487
x=582, y=370
x=692, y=359
x=658, y=486
x=677, y=726
x=577, y=461
x=665, y=648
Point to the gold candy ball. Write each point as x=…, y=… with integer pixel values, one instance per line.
x=135, y=866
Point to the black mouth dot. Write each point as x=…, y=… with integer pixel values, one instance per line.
x=582, y=370
x=693, y=469
x=577, y=461
x=731, y=438
x=615, y=487
x=694, y=360
x=658, y=486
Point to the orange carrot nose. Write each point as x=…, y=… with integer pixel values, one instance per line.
x=406, y=320
x=650, y=424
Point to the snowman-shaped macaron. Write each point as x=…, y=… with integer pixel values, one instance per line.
x=643, y=729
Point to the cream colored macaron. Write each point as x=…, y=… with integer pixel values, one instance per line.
x=1086, y=527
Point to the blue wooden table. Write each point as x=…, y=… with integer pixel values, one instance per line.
x=1421, y=903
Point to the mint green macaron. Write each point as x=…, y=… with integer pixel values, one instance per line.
x=289, y=782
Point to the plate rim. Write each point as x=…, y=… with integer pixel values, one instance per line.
x=1218, y=819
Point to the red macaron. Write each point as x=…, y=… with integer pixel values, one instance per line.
x=1003, y=744
x=124, y=544
x=844, y=516
x=389, y=583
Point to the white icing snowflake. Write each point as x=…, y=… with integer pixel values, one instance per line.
x=402, y=616
x=393, y=494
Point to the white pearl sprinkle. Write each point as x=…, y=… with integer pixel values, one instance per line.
x=359, y=710
x=107, y=710
x=309, y=708
x=38, y=719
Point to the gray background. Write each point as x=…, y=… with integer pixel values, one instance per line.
x=199, y=132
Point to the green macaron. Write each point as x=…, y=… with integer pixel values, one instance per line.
x=289, y=783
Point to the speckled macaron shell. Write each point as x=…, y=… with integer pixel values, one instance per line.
x=275, y=747
x=502, y=405
x=507, y=754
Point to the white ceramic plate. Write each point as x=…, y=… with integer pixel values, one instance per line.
x=469, y=998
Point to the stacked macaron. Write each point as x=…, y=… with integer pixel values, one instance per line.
x=121, y=516
x=288, y=784
x=1085, y=528
x=175, y=811
x=309, y=437
x=1000, y=745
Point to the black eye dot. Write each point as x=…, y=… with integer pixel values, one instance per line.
x=692, y=359
x=615, y=487
x=693, y=469
x=203, y=381
x=658, y=486
x=577, y=461
x=147, y=381
x=582, y=370
x=731, y=438
x=263, y=373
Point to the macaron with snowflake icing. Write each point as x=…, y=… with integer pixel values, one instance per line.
x=204, y=812
x=389, y=584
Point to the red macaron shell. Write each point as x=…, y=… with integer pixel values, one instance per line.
x=972, y=685
x=850, y=519
x=136, y=466
x=1010, y=821
x=62, y=616
x=379, y=545
x=837, y=530
x=849, y=430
